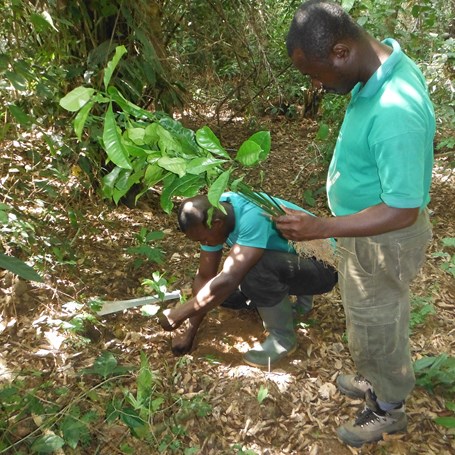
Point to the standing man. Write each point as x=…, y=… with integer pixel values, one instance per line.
x=378, y=188
x=261, y=263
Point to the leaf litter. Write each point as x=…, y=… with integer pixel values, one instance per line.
x=302, y=408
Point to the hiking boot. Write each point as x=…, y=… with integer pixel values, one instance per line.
x=372, y=422
x=354, y=386
x=281, y=341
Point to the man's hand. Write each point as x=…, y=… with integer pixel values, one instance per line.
x=166, y=322
x=297, y=225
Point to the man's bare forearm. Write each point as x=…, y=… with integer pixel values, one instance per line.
x=375, y=220
x=211, y=295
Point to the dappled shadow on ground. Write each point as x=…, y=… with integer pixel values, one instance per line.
x=212, y=401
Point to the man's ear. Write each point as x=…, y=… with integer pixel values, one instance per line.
x=217, y=223
x=341, y=51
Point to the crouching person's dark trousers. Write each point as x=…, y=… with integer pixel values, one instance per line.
x=280, y=274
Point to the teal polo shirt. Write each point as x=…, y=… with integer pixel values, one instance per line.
x=384, y=151
x=253, y=227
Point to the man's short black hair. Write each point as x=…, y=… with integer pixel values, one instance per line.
x=317, y=26
x=195, y=211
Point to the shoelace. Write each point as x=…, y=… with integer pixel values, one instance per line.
x=371, y=412
x=360, y=379
x=368, y=416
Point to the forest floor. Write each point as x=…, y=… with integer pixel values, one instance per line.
x=210, y=401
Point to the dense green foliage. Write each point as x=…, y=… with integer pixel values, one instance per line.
x=150, y=148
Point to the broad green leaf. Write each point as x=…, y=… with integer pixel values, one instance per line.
x=3, y=217
x=112, y=410
x=20, y=116
x=308, y=197
x=124, y=184
x=126, y=449
x=131, y=418
x=153, y=155
x=448, y=241
x=187, y=186
x=135, y=151
x=154, y=235
x=423, y=363
x=263, y=393
x=105, y=365
x=19, y=268
x=347, y=5
x=77, y=98
x=48, y=443
x=4, y=62
x=73, y=430
x=130, y=178
x=153, y=174
x=109, y=70
x=217, y=189
x=166, y=195
x=109, y=181
x=113, y=142
x=323, y=131
x=263, y=139
x=167, y=142
x=151, y=253
x=136, y=135
x=122, y=181
x=127, y=106
x=81, y=118
x=42, y=21
x=47, y=17
x=156, y=403
x=175, y=165
x=151, y=133
x=208, y=141
x=144, y=380
x=249, y=153
x=235, y=184
x=100, y=98
x=200, y=165
x=185, y=136
x=17, y=80
x=448, y=422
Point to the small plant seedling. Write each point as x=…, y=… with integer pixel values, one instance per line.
x=421, y=308
x=263, y=393
x=158, y=283
x=143, y=248
x=448, y=264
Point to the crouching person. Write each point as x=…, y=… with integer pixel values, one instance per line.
x=261, y=265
